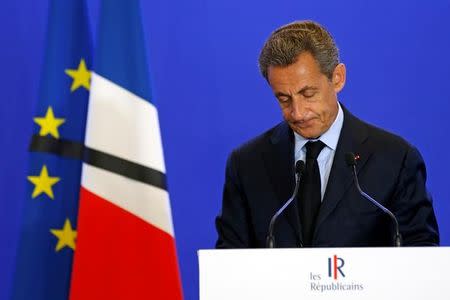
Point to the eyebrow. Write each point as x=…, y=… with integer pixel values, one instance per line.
x=304, y=89
x=307, y=88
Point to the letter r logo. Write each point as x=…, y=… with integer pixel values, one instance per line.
x=335, y=265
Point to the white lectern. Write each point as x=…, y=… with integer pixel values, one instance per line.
x=325, y=273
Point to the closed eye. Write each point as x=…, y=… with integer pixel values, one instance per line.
x=308, y=91
x=309, y=94
x=282, y=98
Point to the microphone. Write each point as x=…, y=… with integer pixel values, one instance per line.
x=270, y=241
x=351, y=160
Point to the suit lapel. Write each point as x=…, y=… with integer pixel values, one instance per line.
x=279, y=161
x=352, y=139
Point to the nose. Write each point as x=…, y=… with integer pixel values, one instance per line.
x=298, y=110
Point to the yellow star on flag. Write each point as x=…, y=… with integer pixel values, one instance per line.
x=80, y=76
x=49, y=124
x=43, y=183
x=66, y=236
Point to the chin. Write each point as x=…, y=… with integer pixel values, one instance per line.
x=307, y=134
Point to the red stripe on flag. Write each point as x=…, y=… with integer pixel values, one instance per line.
x=120, y=256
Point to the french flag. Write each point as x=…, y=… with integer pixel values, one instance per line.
x=125, y=243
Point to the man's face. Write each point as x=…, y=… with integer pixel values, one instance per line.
x=308, y=99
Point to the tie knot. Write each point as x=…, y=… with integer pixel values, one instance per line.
x=313, y=149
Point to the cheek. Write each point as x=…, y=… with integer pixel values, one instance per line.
x=323, y=109
x=286, y=112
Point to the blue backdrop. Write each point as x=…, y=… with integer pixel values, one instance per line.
x=211, y=97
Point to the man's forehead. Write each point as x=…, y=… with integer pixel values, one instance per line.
x=294, y=83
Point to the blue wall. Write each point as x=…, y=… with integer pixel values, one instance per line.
x=211, y=97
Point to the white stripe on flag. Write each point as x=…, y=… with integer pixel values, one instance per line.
x=145, y=201
x=123, y=124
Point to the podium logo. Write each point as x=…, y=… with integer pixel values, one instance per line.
x=321, y=283
x=335, y=266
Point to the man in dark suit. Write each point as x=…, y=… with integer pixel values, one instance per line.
x=300, y=61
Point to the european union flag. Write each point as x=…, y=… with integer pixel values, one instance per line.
x=49, y=228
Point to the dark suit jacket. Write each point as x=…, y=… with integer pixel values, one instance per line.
x=260, y=179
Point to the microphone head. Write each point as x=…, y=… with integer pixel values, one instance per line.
x=350, y=159
x=299, y=167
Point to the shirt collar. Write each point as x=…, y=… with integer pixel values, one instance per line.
x=330, y=137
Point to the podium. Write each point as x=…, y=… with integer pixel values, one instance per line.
x=325, y=273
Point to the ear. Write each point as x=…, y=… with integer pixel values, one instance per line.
x=339, y=76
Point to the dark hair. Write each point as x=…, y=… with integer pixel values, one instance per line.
x=289, y=41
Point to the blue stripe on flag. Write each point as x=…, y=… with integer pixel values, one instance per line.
x=125, y=64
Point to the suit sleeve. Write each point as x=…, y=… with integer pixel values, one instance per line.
x=413, y=204
x=233, y=222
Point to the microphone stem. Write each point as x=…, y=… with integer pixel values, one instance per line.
x=270, y=242
x=397, y=236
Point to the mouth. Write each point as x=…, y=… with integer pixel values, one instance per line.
x=304, y=123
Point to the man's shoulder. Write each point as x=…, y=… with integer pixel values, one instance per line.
x=379, y=137
x=386, y=138
x=262, y=141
